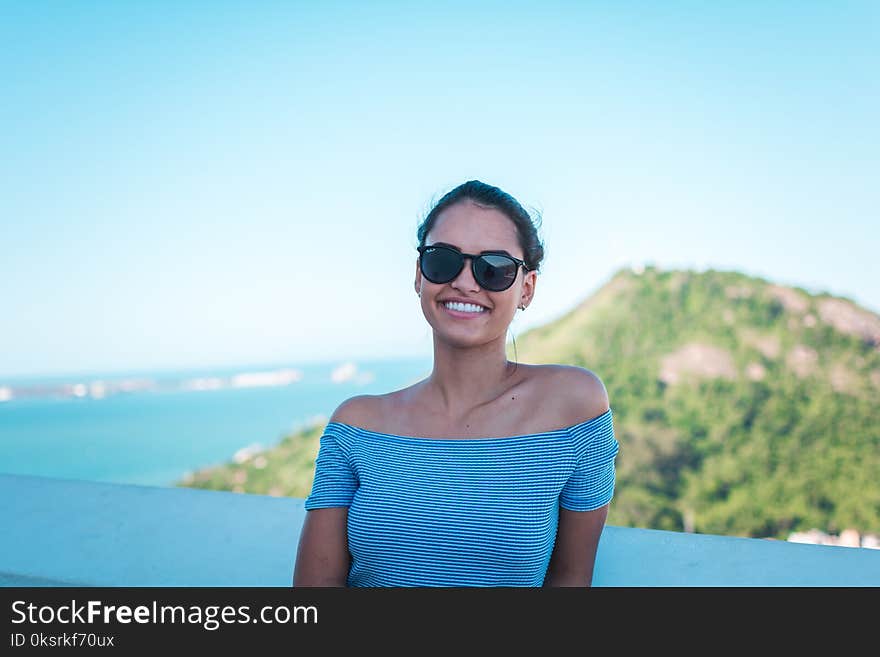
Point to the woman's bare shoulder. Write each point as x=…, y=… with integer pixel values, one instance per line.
x=357, y=411
x=580, y=392
x=368, y=411
x=372, y=412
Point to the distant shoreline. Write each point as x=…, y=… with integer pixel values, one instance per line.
x=101, y=386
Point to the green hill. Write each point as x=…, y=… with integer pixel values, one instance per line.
x=742, y=407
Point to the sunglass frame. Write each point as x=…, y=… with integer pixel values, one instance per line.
x=473, y=257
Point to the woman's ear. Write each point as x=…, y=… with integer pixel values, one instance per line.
x=418, y=282
x=528, y=288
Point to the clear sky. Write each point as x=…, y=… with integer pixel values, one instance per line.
x=197, y=184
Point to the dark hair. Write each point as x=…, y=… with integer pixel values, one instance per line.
x=489, y=196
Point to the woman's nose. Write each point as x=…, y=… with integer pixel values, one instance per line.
x=465, y=277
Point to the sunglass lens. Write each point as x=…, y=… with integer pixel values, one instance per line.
x=440, y=265
x=495, y=272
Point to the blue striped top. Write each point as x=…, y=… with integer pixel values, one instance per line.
x=460, y=511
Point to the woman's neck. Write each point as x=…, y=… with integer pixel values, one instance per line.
x=464, y=380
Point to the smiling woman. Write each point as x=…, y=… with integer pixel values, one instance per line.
x=487, y=472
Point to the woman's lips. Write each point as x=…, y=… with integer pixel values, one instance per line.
x=462, y=315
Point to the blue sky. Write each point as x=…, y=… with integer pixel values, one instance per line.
x=195, y=184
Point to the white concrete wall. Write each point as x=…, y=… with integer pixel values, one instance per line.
x=58, y=532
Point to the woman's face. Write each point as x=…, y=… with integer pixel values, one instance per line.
x=473, y=229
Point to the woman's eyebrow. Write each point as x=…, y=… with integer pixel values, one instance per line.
x=458, y=249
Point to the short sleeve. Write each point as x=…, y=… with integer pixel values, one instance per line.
x=335, y=481
x=591, y=485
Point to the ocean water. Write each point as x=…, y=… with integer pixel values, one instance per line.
x=154, y=437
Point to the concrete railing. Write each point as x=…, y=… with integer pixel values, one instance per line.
x=65, y=532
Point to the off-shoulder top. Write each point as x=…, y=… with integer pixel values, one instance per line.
x=460, y=511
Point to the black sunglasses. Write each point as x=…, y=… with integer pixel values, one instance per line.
x=492, y=271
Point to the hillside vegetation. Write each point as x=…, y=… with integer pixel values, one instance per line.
x=742, y=407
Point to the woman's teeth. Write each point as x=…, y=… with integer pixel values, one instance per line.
x=464, y=307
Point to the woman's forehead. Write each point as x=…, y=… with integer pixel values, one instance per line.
x=473, y=229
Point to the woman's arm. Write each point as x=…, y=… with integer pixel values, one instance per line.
x=322, y=558
x=578, y=533
x=574, y=554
